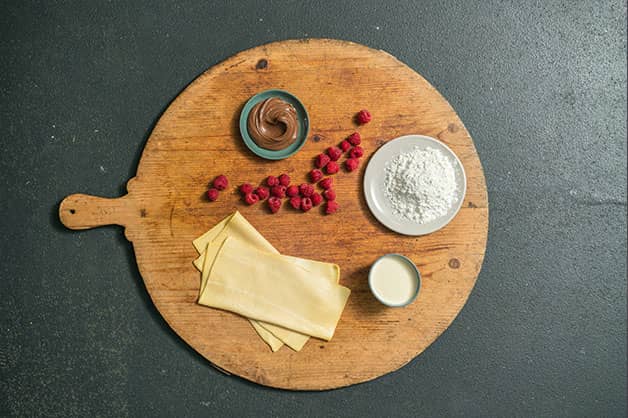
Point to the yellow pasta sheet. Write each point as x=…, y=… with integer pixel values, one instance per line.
x=271, y=288
x=237, y=226
x=201, y=244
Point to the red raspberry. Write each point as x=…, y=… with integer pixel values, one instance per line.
x=356, y=152
x=329, y=194
x=274, y=204
x=331, y=207
x=326, y=183
x=251, y=198
x=316, y=199
x=284, y=180
x=246, y=188
x=292, y=191
x=354, y=138
x=262, y=192
x=363, y=116
x=332, y=167
x=278, y=191
x=306, y=190
x=351, y=164
x=306, y=204
x=334, y=153
x=212, y=194
x=272, y=181
x=315, y=175
x=295, y=202
x=345, y=145
x=221, y=182
x=321, y=160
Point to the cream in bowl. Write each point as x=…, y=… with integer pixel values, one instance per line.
x=394, y=280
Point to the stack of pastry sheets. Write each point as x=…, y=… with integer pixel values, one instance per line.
x=286, y=299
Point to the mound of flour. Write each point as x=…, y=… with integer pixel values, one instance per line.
x=421, y=184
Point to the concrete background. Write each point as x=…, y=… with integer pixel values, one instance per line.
x=541, y=86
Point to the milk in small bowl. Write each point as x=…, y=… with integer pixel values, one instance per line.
x=394, y=280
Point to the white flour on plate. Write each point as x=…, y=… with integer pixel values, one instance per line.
x=421, y=185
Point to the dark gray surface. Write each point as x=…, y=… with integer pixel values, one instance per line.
x=542, y=90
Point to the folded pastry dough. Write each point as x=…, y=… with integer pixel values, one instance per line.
x=237, y=226
x=200, y=244
x=271, y=288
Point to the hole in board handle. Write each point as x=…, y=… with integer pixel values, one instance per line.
x=72, y=211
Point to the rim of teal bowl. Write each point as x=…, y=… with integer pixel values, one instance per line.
x=303, y=128
x=418, y=278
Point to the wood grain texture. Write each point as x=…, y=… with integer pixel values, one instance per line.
x=197, y=138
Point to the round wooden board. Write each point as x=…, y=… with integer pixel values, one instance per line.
x=197, y=138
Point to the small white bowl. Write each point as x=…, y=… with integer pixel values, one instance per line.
x=408, y=262
x=374, y=179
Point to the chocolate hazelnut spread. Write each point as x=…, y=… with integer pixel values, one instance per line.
x=273, y=124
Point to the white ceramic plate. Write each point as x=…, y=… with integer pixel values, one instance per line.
x=375, y=175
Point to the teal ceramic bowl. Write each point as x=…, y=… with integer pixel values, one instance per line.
x=303, y=128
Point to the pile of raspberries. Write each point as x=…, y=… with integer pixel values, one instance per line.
x=304, y=197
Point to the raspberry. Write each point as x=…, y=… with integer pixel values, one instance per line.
x=326, y=183
x=351, y=164
x=354, y=138
x=272, y=181
x=292, y=191
x=356, y=152
x=315, y=175
x=306, y=190
x=345, y=145
x=221, y=182
x=316, y=199
x=295, y=202
x=284, y=180
x=321, y=160
x=251, y=198
x=331, y=167
x=331, y=207
x=246, y=188
x=329, y=194
x=278, y=191
x=274, y=204
x=262, y=192
x=306, y=204
x=212, y=194
x=363, y=116
x=334, y=153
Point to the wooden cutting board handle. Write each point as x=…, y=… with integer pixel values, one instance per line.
x=81, y=211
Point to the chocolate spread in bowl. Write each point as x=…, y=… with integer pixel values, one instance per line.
x=273, y=124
